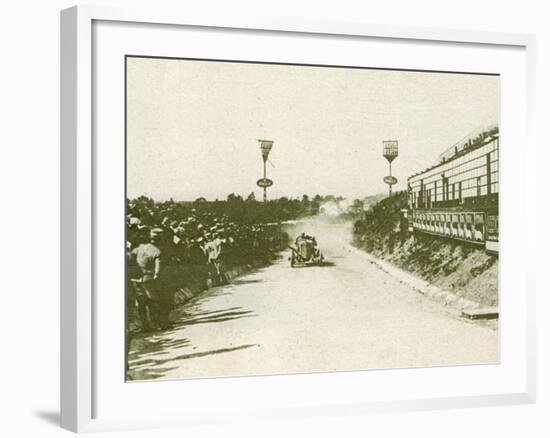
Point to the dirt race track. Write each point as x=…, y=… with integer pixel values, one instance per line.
x=347, y=315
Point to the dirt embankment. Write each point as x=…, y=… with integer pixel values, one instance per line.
x=458, y=267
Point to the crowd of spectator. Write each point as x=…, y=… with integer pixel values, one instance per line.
x=173, y=245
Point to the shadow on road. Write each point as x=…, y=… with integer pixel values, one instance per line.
x=323, y=265
x=245, y=281
x=150, y=355
x=212, y=317
x=154, y=369
x=207, y=353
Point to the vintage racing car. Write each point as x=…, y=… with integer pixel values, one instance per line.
x=305, y=252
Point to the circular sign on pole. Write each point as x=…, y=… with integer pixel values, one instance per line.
x=264, y=182
x=391, y=180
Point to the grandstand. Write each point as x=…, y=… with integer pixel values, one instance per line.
x=458, y=197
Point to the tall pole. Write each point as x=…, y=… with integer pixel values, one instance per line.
x=390, y=153
x=265, y=147
x=265, y=188
x=390, y=185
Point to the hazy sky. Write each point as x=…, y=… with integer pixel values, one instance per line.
x=193, y=126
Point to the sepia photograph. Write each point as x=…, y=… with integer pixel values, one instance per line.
x=292, y=218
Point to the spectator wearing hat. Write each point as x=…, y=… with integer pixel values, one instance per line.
x=197, y=259
x=147, y=258
x=213, y=252
x=218, y=244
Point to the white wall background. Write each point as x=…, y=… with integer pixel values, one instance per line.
x=29, y=219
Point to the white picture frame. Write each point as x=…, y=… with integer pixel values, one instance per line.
x=79, y=199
